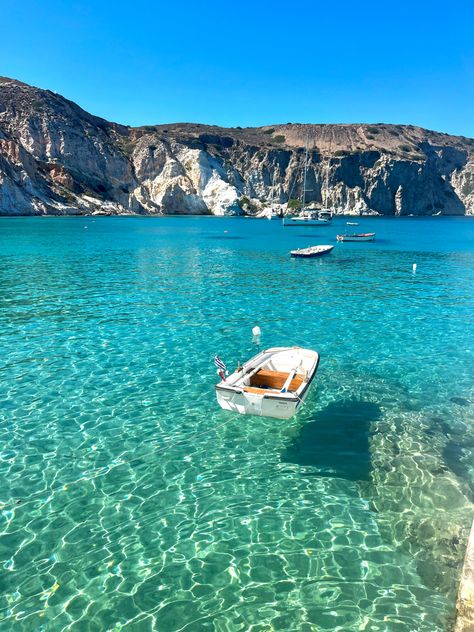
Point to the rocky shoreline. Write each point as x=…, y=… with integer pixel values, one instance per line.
x=57, y=159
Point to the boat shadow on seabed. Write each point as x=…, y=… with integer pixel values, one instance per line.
x=336, y=444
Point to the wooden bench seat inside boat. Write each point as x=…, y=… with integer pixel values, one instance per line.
x=265, y=379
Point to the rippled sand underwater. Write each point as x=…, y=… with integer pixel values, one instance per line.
x=131, y=501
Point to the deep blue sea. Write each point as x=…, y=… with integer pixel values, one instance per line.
x=130, y=501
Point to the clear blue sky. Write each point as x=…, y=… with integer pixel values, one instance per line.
x=250, y=62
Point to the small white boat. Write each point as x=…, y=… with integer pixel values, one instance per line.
x=358, y=237
x=352, y=223
x=311, y=251
x=308, y=218
x=274, y=383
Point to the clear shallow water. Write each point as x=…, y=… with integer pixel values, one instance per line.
x=130, y=501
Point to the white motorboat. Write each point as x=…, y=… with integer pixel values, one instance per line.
x=352, y=223
x=357, y=237
x=274, y=383
x=311, y=251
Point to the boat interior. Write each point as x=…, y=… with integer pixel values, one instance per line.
x=274, y=373
x=265, y=379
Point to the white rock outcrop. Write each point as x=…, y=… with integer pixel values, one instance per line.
x=463, y=183
x=180, y=179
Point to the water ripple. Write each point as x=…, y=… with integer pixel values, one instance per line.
x=130, y=501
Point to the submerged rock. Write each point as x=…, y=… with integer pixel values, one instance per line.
x=461, y=401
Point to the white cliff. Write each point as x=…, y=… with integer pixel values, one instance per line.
x=56, y=158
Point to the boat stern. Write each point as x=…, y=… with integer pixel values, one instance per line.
x=246, y=403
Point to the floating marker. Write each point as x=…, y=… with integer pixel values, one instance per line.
x=414, y=267
x=256, y=335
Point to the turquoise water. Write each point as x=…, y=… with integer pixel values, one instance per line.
x=131, y=501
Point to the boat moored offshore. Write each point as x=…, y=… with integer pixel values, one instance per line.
x=357, y=237
x=311, y=251
x=308, y=218
x=274, y=383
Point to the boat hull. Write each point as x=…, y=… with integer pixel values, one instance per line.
x=246, y=404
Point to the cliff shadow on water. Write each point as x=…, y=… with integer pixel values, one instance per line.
x=336, y=443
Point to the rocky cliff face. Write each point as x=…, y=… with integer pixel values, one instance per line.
x=56, y=158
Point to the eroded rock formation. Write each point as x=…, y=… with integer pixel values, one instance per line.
x=56, y=158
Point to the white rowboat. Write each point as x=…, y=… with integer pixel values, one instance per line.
x=359, y=237
x=274, y=383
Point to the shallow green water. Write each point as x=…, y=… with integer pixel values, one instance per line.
x=132, y=501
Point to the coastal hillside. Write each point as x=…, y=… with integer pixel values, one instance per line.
x=55, y=158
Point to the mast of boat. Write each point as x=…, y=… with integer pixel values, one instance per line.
x=326, y=188
x=304, y=176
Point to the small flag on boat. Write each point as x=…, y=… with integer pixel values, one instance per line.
x=219, y=364
x=220, y=367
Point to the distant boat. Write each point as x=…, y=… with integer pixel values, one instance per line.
x=274, y=383
x=352, y=223
x=357, y=237
x=308, y=218
x=312, y=251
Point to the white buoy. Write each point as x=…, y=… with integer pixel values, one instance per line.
x=256, y=335
x=414, y=267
